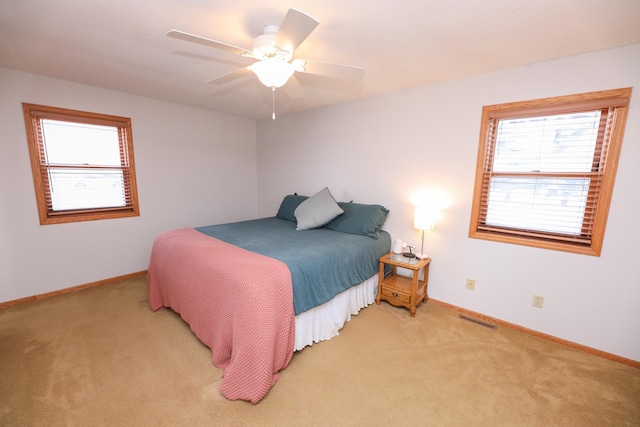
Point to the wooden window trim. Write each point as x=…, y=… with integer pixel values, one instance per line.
x=32, y=114
x=616, y=98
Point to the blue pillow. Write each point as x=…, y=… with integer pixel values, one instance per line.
x=289, y=205
x=365, y=220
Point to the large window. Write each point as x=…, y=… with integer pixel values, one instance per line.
x=546, y=168
x=82, y=164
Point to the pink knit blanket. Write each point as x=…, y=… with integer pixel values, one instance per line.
x=238, y=303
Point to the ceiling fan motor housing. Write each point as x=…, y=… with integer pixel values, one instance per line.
x=263, y=45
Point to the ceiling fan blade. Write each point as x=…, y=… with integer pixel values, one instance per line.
x=295, y=28
x=293, y=88
x=208, y=42
x=328, y=69
x=240, y=72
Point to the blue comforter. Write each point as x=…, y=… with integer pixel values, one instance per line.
x=322, y=262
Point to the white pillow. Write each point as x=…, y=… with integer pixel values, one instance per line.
x=317, y=210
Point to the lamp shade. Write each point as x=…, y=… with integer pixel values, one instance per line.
x=424, y=219
x=273, y=72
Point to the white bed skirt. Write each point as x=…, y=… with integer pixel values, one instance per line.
x=323, y=322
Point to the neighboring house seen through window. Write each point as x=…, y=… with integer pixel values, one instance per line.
x=82, y=164
x=546, y=169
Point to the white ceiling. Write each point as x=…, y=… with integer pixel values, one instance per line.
x=122, y=44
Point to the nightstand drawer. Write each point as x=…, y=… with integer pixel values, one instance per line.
x=392, y=295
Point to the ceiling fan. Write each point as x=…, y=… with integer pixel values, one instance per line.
x=272, y=54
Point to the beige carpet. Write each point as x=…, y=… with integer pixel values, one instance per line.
x=100, y=357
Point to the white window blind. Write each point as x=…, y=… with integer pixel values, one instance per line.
x=84, y=165
x=542, y=172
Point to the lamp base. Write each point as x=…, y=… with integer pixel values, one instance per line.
x=422, y=256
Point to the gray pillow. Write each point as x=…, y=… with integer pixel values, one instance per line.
x=317, y=210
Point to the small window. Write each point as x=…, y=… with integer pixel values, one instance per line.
x=82, y=164
x=546, y=168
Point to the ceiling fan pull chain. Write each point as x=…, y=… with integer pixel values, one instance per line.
x=273, y=103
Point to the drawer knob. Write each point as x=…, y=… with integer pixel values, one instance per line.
x=394, y=294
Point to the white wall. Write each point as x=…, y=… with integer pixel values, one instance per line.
x=193, y=167
x=391, y=149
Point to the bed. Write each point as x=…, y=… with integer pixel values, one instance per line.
x=256, y=291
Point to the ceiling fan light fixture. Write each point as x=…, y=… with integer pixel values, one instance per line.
x=273, y=72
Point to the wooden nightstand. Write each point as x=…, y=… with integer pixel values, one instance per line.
x=399, y=290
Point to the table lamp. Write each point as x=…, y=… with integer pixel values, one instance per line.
x=424, y=220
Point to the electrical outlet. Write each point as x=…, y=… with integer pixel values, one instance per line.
x=471, y=284
x=538, y=300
